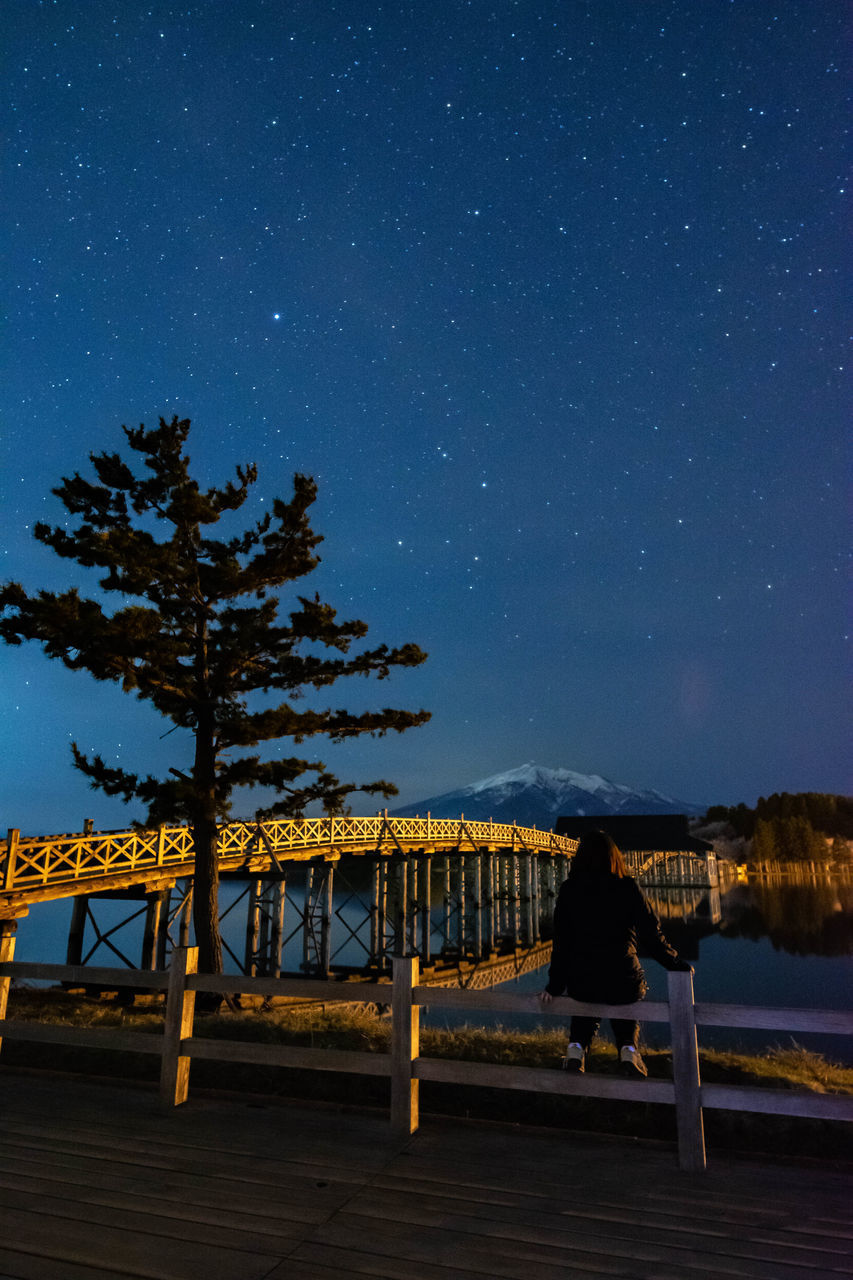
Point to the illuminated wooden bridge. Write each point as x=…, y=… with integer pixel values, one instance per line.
x=469, y=897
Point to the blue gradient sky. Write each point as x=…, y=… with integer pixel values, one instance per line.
x=549, y=299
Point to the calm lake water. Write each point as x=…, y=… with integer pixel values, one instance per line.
x=763, y=943
x=773, y=944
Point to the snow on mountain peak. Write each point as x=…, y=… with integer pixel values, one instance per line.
x=532, y=794
x=531, y=774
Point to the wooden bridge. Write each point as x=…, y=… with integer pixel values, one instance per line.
x=464, y=895
x=39, y=868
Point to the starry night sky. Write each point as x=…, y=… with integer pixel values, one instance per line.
x=548, y=297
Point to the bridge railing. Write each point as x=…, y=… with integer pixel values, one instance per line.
x=39, y=861
x=405, y=1066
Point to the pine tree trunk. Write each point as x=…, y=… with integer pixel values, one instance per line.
x=206, y=842
x=206, y=895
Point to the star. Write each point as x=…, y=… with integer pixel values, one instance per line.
x=403, y=196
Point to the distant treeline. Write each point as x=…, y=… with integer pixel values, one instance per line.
x=790, y=828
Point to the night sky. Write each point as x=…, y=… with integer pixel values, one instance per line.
x=547, y=296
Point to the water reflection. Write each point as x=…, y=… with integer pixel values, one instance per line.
x=771, y=941
x=804, y=918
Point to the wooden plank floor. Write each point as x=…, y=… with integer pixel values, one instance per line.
x=96, y=1182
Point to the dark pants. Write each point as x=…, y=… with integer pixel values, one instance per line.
x=625, y=1031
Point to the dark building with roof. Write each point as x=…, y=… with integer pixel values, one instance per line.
x=639, y=833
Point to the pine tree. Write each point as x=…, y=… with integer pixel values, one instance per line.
x=763, y=842
x=204, y=642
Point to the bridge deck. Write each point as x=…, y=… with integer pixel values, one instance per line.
x=41, y=868
x=97, y=1183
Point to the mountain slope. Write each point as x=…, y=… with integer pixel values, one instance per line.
x=532, y=795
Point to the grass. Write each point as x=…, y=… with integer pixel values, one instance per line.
x=363, y=1029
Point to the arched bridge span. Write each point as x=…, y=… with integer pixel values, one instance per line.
x=41, y=868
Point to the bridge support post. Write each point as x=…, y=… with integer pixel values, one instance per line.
x=478, y=904
x=160, y=961
x=377, y=925
x=276, y=919
x=526, y=885
x=425, y=906
x=405, y=1046
x=183, y=914
x=399, y=869
x=7, y=954
x=461, y=866
x=500, y=898
x=538, y=867
x=414, y=910
x=447, y=907
x=549, y=893
x=253, y=924
x=394, y=908
x=394, y=912
x=514, y=900
x=264, y=928
x=317, y=921
x=535, y=902
x=77, y=929
x=408, y=886
x=491, y=859
x=156, y=926
x=712, y=873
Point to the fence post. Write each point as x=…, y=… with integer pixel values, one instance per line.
x=180, y=1009
x=405, y=1046
x=685, y=1073
x=7, y=954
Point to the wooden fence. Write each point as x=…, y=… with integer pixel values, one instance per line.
x=405, y=1067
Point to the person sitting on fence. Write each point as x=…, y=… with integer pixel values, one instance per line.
x=600, y=916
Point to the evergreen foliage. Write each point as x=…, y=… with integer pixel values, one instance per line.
x=791, y=828
x=830, y=814
x=205, y=641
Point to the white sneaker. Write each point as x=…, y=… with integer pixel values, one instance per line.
x=574, y=1059
x=630, y=1062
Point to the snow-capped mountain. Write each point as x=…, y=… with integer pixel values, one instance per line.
x=534, y=795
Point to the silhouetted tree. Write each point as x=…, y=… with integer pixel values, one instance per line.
x=828, y=815
x=764, y=847
x=206, y=640
x=787, y=840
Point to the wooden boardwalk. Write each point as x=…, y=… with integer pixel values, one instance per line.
x=97, y=1182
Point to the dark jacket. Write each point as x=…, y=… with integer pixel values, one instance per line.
x=598, y=923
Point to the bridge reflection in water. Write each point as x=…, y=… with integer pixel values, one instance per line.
x=337, y=897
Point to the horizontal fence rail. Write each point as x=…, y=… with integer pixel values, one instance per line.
x=31, y=864
x=406, y=1068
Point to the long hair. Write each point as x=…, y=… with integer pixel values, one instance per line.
x=598, y=856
